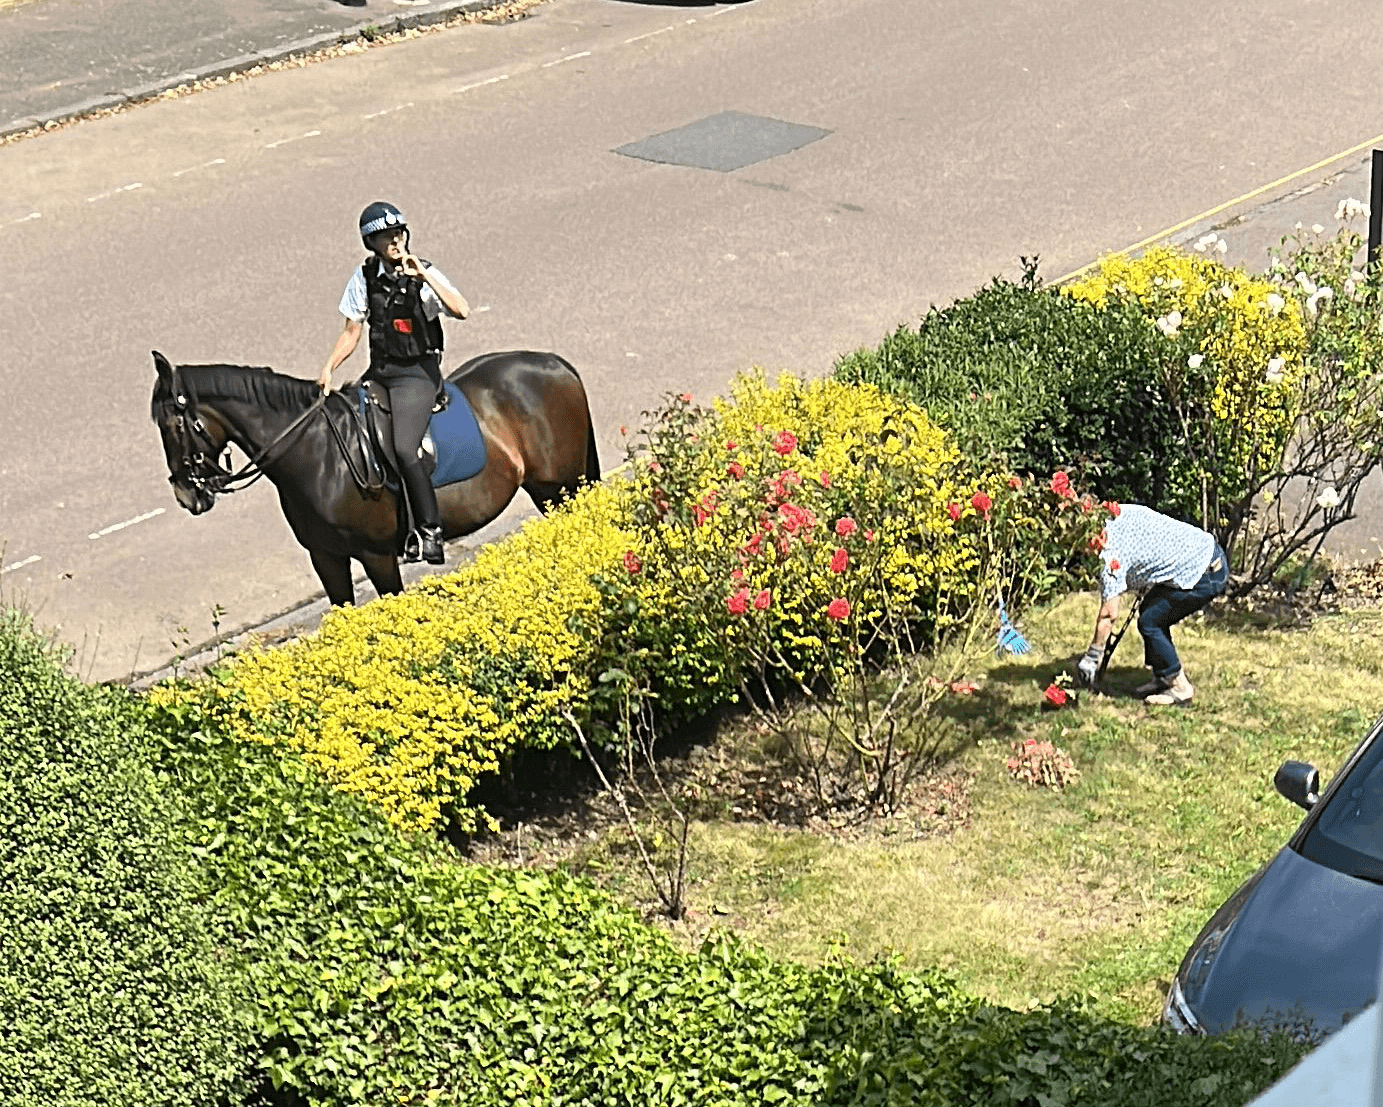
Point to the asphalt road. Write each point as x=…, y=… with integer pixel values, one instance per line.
x=220, y=227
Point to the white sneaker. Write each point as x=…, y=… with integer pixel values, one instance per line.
x=1177, y=694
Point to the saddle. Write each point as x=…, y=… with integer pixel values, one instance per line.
x=452, y=448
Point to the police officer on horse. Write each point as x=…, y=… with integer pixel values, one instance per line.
x=401, y=297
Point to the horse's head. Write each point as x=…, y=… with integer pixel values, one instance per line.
x=192, y=440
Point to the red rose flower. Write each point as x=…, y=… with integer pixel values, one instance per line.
x=1112, y=506
x=846, y=526
x=825, y=479
x=1056, y=696
x=1114, y=565
x=763, y=599
x=981, y=502
x=738, y=603
x=869, y=536
x=1015, y=481
x=685, y=397
x=839, y=608
x=839, y=561
x=731, y=445
x=784, y=442
x=1061, y=485
x=953, y=510
x=1099, y=542
x=632, y=564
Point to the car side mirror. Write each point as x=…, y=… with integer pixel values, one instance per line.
x=1299, y=782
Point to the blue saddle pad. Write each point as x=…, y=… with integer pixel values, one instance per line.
x=456, y=438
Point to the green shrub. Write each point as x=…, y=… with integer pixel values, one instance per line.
x=381, y=971
x=1025, y=378
x=112, y=992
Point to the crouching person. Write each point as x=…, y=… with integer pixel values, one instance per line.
x=1178, y=568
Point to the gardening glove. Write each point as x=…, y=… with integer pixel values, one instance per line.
x=1088, y=667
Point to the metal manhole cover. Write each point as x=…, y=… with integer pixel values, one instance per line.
x=729, y=140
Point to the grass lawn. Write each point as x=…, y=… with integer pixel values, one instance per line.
x=1096, y=890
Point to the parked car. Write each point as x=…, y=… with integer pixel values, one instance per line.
x=1297, y=946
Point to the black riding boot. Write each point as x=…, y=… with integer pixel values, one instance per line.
x=423, y=500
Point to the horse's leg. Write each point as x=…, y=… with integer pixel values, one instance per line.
x=335, y=573
x=383, y=571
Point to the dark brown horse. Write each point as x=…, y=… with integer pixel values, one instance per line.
x=532, y=413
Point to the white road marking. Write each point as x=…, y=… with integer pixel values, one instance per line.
x=19, y=564
x=127, y=523
x=386, y=111
x=114, y=192
x=482, y=84
x=650, y=34
x=569, y=57
x=22, y=219
x=283, y=141
x=204, y=165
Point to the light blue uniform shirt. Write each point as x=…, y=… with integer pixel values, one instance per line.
x=1149, y=548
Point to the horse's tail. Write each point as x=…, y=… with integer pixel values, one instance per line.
x=592, y=457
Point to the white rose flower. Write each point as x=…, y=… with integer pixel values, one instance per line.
x=1227, y=291
x=1206, y=241
x=1328, y=499
x=1350, y=208
x=1274, y=373
x=1306, y=283
x=1221, y=246
x=1195, y=361
x=1316, y=298
x=1170, y=323
x=1275, y=302
x=1316, y=228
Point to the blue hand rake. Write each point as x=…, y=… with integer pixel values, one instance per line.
x=1010, y=640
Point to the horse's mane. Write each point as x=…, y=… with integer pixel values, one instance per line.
x=251, y=384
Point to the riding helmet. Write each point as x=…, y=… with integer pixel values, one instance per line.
x=380, y=216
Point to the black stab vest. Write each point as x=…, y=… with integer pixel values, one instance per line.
x=399, y=328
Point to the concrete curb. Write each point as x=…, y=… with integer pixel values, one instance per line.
x=368, y=30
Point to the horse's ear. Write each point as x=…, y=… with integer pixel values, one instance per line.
x=164, y=368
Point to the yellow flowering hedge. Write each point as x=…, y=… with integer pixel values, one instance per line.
x=1241, y=356
x=409, y=700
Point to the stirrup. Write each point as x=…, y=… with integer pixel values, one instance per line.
x=412, y=547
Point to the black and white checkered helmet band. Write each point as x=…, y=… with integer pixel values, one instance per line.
x=383, y=221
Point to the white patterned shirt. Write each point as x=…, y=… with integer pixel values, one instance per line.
x=1145, y=548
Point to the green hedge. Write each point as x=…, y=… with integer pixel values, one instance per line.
x=112, y=992
x=382, y=971
x=1039, y=381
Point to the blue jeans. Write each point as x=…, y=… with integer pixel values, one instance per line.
x=1165, y=605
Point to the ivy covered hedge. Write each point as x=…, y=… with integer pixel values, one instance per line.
x=380, y=970
x=113, y=990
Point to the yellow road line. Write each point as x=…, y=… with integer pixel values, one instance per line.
x=1376, y=140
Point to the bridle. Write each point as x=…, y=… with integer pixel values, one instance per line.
x=200, y=470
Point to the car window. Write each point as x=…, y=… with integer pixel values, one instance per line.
x=1345, y=830
x=1355, y=816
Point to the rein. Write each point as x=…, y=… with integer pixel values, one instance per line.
x=197, y=449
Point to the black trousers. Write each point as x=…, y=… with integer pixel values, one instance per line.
x=412, y=393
